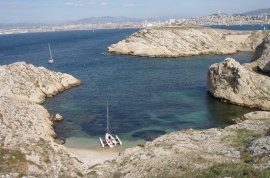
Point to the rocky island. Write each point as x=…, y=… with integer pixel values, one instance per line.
x=187, y=40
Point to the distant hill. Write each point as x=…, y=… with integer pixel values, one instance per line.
x=106, y=19
x=258, y=12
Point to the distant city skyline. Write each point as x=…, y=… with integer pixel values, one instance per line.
x=58, y=11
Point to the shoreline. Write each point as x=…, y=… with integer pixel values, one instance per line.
x=50, y=31
x=94, y=156
x=69, y=30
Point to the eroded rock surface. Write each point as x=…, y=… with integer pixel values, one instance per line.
x=237, y=84
x=21, y=80
x=187, y=41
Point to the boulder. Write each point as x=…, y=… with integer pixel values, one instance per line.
x=58, y=117
x=237, y=84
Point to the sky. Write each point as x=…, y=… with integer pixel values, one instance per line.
x=57, y=11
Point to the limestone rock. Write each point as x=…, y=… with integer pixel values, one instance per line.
x=260, y=146
x=261, y=58
x=26, y=126
x=237, y=84
x=187, y=41
x=256, y=115
x=21, y=80
x=58, y=117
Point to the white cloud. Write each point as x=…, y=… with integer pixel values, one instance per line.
x=103, y=3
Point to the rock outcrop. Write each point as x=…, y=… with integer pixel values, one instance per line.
x=189, y=151
x=261, y=58
x=187, y=41
x=237, y=84
x=25, y=126
x=21, y=80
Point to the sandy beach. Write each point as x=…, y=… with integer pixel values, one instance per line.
x=95, y=156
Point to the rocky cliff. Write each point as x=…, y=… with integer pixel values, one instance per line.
x=27, y=138
x=187, y=41
x=237, y=84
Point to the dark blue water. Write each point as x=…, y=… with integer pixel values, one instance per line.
x=147, y=96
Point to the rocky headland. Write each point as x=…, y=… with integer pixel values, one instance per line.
x=187, y=41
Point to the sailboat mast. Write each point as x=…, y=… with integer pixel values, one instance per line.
x=108, y=118
x=50, y=50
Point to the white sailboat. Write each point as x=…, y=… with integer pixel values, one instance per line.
x=50, y=61
x=109, y=140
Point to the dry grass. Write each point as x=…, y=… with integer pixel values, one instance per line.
x=12, y=161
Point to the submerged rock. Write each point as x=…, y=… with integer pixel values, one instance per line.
x=148, y=135
x=237, y=84
x=187, y=41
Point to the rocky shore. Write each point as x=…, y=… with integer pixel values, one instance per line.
x=27, y=138
x=187, y=41
x=190, y=152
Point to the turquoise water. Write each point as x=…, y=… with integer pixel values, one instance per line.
x=147, y=97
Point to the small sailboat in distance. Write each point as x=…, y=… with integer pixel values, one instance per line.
x=50, y=61
x=109, y=140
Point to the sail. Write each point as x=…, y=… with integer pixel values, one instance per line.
x=108, y=124
x=50, y=52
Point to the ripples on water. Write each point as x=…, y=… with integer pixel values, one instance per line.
x=147, y=96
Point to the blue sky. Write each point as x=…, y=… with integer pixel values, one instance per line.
x=54, y=11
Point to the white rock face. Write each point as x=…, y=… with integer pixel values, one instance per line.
x=26, y=126
x=21, y=80
x=261, y=56
x=237, y=84
x=185, y=41
x=58, y=117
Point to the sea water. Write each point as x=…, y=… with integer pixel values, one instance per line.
x=148, y=97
